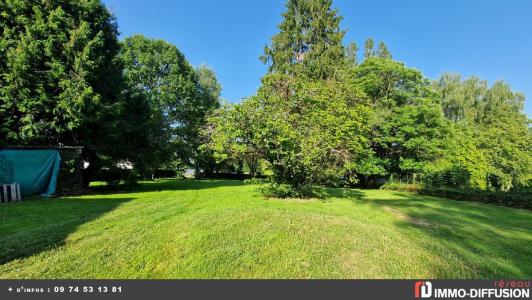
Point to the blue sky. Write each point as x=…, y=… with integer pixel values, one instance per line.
x=488, y=38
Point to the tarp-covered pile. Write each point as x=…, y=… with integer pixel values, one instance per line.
x=35, y=171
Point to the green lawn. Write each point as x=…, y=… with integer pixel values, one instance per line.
x=225, y=229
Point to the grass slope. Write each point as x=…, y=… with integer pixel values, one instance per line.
x=224, y=229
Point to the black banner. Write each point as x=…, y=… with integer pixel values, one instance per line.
x=265, y=289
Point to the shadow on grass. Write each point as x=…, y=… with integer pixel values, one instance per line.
x=490, y=241
x=31, y=227
x=166, y=185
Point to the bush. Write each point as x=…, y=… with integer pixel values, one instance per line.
x=516, y=199
x=276, y=190
x=454, y=177
x=116, y=176
x=253, y=181
x=402, y=187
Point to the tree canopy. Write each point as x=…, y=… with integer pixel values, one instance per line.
x=175, y=100
x=321, y=117
x=309, y=41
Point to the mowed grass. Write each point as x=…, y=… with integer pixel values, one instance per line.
x=225, y=229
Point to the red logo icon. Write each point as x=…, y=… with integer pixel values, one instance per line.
x=422, y=289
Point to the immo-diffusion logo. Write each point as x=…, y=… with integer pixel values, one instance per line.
x=423, y=289
x=504, y=289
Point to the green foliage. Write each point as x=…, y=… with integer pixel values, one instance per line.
x=60, y=81
x=294, y=125
x=383, y=52
x=208, y=100
x=169, y=101
x=402, y=187
x=369, y=48
x=412, y=135
x=319, y=118
x=389, y=83
x=454, y=177
x=408, y=128
x=309, y=42
x=230, y=135
x=351, y=52
x=209, y=87
x=254, y=181
x=472, y=100
x=516, y=199
x=276, y=190
x=491, y=136
x=114, y=176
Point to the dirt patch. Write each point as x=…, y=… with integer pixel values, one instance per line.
x=403, y=217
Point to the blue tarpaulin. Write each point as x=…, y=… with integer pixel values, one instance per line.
x=35, y=171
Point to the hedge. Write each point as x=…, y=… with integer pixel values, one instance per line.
x=516, y=199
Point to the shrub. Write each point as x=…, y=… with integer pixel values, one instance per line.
x=253, y=181
x=402, y=187
x=116, y=176
x=516, y=199
x=276, y=190
x=453, y=177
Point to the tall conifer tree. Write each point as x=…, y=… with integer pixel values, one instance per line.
x=309, y=42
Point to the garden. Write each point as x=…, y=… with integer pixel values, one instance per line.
x=343, y=163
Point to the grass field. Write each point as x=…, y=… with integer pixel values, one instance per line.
x=225, y=229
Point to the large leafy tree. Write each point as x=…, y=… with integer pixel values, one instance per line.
x=231, y=135
x=178, y=98
x=60, y=81
x=408, y=127
x=306, y=138
x=309, y=42
x=500, y=134
x=209, y=91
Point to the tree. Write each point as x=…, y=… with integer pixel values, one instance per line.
x=210, y=88
x=462, y=163
x=60, y=81
x=383, y=52
x=411, y=137
x=351, y=54
x=157, y=73
x=177, y=97
x=230, y=134
x=310, y=132
x=499, y=131
x=407, y=128
x=506, y=140
x=369, y=48
x=209, y=96
x=309, y=42
x=389, y=83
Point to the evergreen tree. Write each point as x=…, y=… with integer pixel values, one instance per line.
x=60, y=81
x=309, y=42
